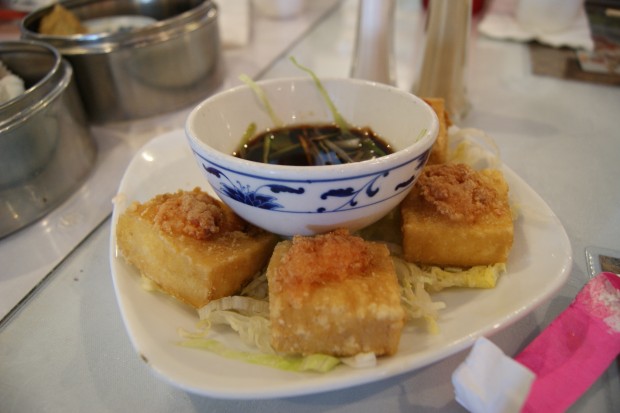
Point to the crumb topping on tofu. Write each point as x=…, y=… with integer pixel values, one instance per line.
x=194, y=214
x=459, y=192
x=341, y=255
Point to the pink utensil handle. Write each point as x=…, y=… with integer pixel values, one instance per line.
x=576, y=348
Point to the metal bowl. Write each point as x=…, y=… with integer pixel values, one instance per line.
x=46, y=149
x=145, y=71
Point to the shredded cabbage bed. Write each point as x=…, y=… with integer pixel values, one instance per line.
x=247, y=314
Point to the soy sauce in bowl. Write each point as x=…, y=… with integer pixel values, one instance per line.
x=313, y=145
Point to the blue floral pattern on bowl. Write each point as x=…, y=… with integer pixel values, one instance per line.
x=249, y=196
x=265, y=194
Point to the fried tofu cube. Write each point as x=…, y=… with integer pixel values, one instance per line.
x=439, y=151
x=457, y=216
x=192, y=246
x=334, y=294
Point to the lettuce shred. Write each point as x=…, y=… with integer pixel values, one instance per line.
x=480, y=276
x=320, y=363
x=473, y=147
x=416, y=301
x=260, y=93
x=248, y=316
x=338, y=119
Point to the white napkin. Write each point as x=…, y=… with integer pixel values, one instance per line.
x=499, y=22
x=488, y=381
x=234, y=22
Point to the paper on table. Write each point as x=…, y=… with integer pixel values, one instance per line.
x=490, y=381
x=567, y=357
x=500, y=22
x=234, y=20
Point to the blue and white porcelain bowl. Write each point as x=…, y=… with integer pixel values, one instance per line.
x=306, y=200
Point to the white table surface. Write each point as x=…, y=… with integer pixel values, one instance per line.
x=64, y=347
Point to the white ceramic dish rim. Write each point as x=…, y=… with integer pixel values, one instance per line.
x=369, y=167
x=539, y=265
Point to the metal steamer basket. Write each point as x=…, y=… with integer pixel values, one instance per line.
x=46, y=149
x=164, y=66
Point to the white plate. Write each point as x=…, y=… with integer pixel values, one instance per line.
x=539, y=264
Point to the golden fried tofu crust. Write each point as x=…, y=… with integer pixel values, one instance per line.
x=439, y=150
x=334, y=294
x=194, y=214
x=315, y=261
x=192, y=245
x=459, y=193
x=456, y=216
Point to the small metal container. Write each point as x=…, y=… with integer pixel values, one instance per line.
x=46, y=148
x=129, y=74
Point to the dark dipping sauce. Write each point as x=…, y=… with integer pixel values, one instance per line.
x=313, y=145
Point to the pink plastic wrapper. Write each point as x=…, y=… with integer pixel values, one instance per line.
x=576, y=348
